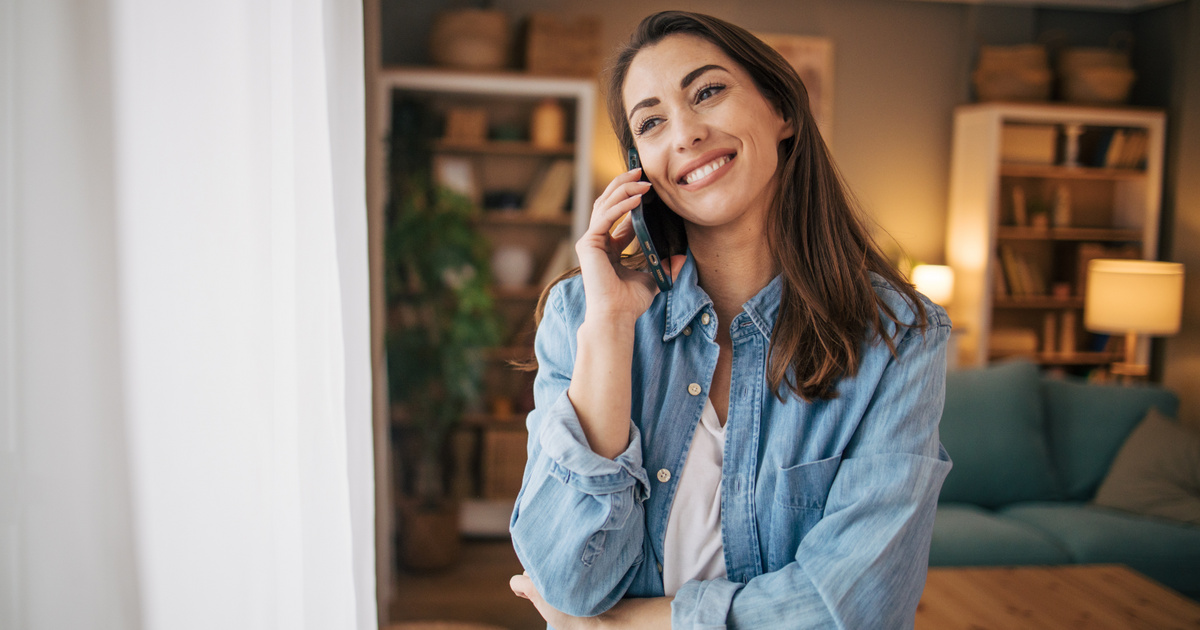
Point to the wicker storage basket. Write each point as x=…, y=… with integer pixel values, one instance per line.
x=503, y=463
x=1095, y=75
x=1023, y=84
x=556, y=46
x=1012, y=73
x=1099, y=85
x=470, y=39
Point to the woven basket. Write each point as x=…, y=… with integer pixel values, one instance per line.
x=1013, y=73
x=1016, y=84
x=1099, y=76
x=470, y=39
x=562, y=47
x=1099, y=85
x=1012, y=57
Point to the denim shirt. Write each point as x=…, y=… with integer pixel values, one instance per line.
x=827, y=507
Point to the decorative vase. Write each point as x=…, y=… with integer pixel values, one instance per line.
x=547, y=130
x=512, y=266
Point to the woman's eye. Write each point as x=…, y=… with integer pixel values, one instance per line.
x=646, y=125
x=708, y=92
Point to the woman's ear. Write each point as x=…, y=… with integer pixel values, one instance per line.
x=787, y=129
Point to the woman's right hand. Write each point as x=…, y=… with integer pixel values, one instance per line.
x=611, y=289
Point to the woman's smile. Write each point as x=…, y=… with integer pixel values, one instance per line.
x=708, y=171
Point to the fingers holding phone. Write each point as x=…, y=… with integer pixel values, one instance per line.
x=609, y=286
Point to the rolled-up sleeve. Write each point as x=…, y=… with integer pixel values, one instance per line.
x=578, y=525
x=863, y=565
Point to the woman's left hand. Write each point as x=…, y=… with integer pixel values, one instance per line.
x=648, y=613
x=523, y=587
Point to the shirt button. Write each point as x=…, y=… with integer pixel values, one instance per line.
x=694, y=389
x=704, y=319
x=687, y=331
x=659, y=564
x=664, y=475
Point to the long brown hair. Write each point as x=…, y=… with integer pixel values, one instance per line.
x=825, y=251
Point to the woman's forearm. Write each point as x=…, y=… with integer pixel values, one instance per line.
x=652, y=613
x=601, y=384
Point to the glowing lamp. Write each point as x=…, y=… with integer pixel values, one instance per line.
x=1133, y=297
x=935, y=281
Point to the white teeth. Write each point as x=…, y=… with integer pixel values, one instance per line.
x=705, y=170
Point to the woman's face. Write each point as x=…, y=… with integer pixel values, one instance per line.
x=707, y=137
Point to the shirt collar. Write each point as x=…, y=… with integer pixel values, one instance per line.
x=686, y=299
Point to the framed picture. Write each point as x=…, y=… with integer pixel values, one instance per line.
x=812, y=57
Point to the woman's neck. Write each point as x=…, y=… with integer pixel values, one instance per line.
x=732, y=265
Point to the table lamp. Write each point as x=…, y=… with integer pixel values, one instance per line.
x=935, y=281
x=1133, y=297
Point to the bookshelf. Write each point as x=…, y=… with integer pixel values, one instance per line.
x=1037, y=190
x=500, y=160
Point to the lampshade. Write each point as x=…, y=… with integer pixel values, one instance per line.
x=1140, y=296
x=935, y=281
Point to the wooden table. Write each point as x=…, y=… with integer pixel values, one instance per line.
x=1098, y=596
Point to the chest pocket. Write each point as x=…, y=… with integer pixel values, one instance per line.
x=800, y=494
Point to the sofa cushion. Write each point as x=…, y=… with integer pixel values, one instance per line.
x=1166, y=551
x=1156, y=472
x=968, y=535
x=1087, y=424
x=992, y=427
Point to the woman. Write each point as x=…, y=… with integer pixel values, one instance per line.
x=756, y=447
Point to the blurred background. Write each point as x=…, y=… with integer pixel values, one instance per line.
x=501, y=103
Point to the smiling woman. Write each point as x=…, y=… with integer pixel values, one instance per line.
x=756, y=447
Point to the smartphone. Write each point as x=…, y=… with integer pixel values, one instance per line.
x=649, y=219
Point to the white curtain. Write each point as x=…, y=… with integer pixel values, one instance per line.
x=186, y=438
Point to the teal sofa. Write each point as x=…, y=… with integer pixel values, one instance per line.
x=1029, y=454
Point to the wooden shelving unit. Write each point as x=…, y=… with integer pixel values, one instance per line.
x=522, y=219
x=494, y=439
x=496, y=147
x=1069, y=172
x=1077, y=358
x=1013, y=233
x=1019, y=275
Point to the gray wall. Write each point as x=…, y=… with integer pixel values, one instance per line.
x=1182, y=204
x=900, y=68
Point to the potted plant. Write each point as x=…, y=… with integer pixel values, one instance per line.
x=441, y=317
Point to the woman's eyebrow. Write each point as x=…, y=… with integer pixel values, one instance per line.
x=649, y=102
x=688, y=79
x=694, y=74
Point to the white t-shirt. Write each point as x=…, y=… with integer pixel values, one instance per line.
x=693, y=549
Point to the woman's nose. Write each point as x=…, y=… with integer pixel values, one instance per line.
x=690, y=131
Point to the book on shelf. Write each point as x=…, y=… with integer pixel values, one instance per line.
x=1008, y=259
x=1023, y=277
x=1037, y=279
x=548, y=195
x=1115, y=147
x=1134, y=152
x=1000, y=285
x=1068, y=320
x=1028, y=144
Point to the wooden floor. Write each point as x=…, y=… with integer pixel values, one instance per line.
x=475, y=590
x=1103, y=597
x=1072, y=597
